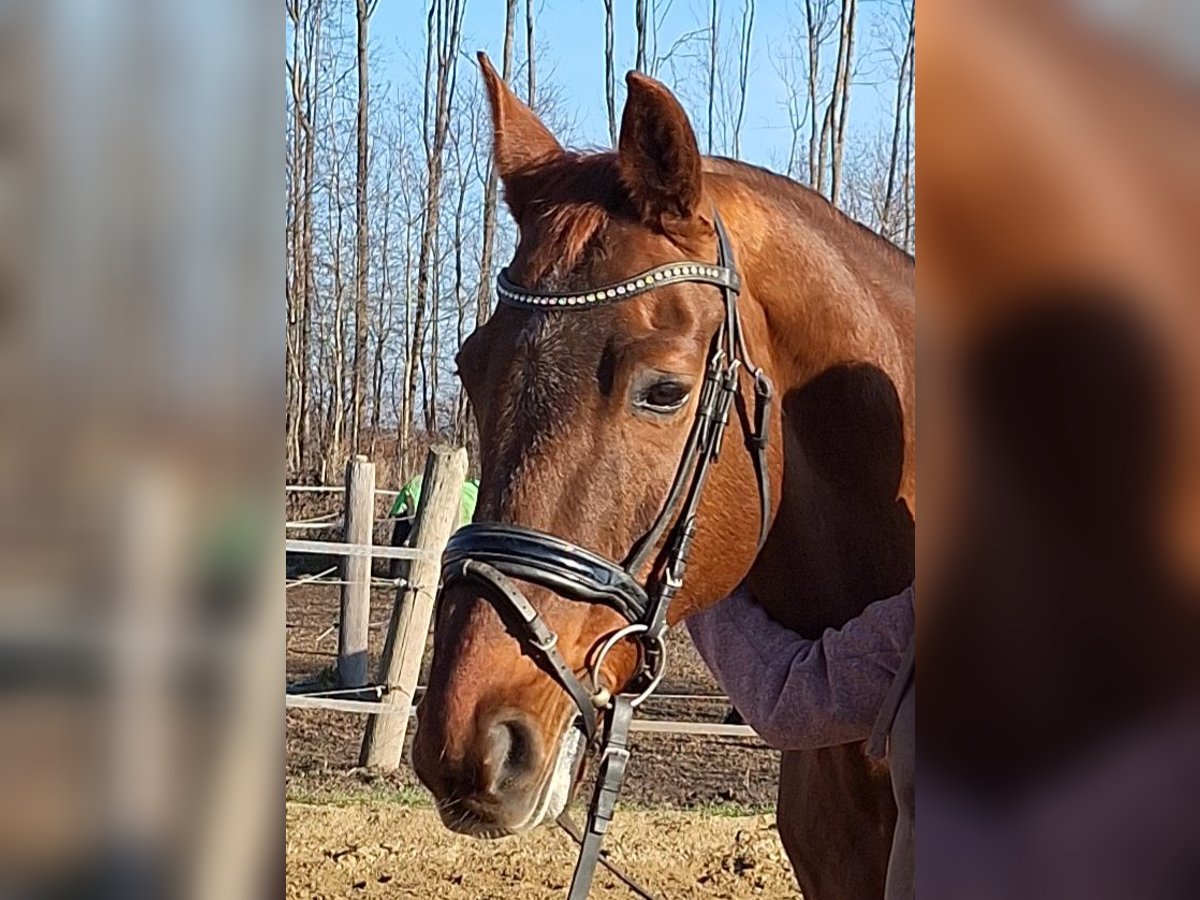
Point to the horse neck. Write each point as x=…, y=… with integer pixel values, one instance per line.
x=834, y=308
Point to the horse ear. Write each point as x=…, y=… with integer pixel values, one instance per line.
x=519, y=140
x=658, y=155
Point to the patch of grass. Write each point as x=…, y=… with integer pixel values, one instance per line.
x=728, y=809
x=370, y=791
x=716, y=809
x=343, y=794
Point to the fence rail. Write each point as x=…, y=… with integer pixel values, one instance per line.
x=331, y=489
x=646, y=726
x=340, y=548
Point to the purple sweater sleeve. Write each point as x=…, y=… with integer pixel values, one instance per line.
x=799, y=693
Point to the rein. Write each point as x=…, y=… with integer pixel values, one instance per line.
x=491, y=555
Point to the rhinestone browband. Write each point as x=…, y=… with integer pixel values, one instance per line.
x=672, y=273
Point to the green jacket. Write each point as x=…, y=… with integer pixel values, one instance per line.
x=410, y=495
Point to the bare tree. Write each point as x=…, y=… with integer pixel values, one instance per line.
x=839, y=104
x=393, y=215
x=530, y=54
x=640, y=23
x=443, y=38
x=713, y=24
x=652, y=27
x=336, y=408
x=908, y=184
x=610, y=90
x=385, y=309
x=818, y=28
x=795, y=102
x=904, y=62
x=305, y=17
x=364, y=10
x=743, y=73
x=491, y=188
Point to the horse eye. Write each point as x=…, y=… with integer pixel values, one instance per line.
x=663, y=396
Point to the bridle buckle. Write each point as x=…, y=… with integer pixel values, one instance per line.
x=671, y=580
x=547, y=644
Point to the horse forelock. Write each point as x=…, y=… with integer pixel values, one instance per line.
x=565, y=204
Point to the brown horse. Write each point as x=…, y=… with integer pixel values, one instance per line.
x=597, y=404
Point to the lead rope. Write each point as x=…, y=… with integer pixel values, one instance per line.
x=611, y=775
x=567, y=824
x=614, y=761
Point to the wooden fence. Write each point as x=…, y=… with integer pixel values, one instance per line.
x=388, y=701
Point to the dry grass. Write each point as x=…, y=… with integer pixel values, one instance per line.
x=391, y=850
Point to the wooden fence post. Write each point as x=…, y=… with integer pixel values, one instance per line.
x=408, y=630
x=356, y=574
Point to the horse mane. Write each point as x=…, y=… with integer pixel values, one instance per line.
x=813, y=207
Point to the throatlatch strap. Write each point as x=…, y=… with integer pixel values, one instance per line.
x=613, y=762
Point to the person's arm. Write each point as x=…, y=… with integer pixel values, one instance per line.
x=799, y=693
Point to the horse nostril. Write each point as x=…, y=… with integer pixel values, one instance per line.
x=509, y=753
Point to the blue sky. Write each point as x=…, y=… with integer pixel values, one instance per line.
x=571, y=54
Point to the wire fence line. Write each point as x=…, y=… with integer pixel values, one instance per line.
x=337, y=524
x=330, y=489
x=327, y=518
x=381, y=583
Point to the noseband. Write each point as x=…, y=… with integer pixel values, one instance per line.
x=491, y=555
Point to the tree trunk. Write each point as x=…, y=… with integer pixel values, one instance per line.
x=361, y=259
x=334, y=446
x=610, y=71
x=383, y=326
x=897, y=128
x=435, y=345
x=309, y=278
x=842, y=108
x=712, y=73
x=304, y=72
x=443, y=36
x=909, y=188
x=530, y=52
x=743, y=73
x=813, y=34
x=294, y=363
x=460, y=293
x=640, y=24
x=491, y=189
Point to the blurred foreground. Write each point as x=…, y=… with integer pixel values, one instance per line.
x=141, y=626
x=1059, y=549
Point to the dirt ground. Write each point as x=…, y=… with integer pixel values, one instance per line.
x=691, y=825
x=389, y=850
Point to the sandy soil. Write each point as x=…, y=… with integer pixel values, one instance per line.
x=390, y=851
x=360, y=834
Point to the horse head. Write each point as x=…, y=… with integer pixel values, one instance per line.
x=585, y=414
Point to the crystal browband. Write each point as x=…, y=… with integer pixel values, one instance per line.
x=672, y=273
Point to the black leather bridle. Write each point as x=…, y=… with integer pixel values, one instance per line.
x=491, y=555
